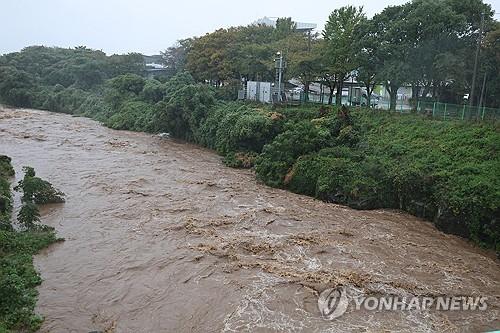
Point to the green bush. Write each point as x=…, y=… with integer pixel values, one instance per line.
x=182, y=110
x=6, y=169
x=446, y=172
x=94, y=107
x=65, y=101
x=18, y=277
x=28, y=215
x=37, y=190
x=153, y=91
x=132, y=115
x=243, y=128
x=278, y=156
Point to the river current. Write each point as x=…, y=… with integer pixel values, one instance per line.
x=160, y=236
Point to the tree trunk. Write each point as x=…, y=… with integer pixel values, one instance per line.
x=331, y=85
x=338, y=95
x=415, y=90
x=369, y=95
x=426, y=90
x=393, y=92
x=306, y=91
x=434, y=92
x=394, y=96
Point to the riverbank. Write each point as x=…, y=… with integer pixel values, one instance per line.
x=445, y=172
x=18, y=245
x=442, y=171
x=161, y=236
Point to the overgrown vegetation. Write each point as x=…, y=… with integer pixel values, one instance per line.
x=18, y=244
x=426, y=44
x=58, y=79
x=445, y=172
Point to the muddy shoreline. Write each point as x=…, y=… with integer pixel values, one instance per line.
x=162, y=237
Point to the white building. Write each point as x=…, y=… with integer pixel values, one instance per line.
x=301, y=26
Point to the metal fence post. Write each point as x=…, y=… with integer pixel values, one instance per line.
x=433, y=109
x=444, y=113
x=418, y=106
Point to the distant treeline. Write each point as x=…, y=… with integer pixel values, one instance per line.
x=426, y=44
x=58, y=79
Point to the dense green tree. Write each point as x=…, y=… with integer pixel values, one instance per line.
x=16, y=86
x=183, y=108
x=491, y=67
x=29, y=215
x=255, y=53
x=390, y=32
x=367, y=57
x=285, y=27
x=37, y=190
x=174, y=57
x=153, y=91
x=128, y=83
x=340, y=50
x=211, y=58
x=118, y=64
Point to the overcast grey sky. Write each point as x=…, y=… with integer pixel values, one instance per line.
x=148, y=26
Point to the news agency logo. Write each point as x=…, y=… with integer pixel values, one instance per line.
x=334, y=302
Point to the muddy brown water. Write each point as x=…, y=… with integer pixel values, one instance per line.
x=162, y=237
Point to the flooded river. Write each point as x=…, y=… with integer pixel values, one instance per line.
x=162, y=237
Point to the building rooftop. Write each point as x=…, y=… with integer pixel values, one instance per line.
x=271, y=21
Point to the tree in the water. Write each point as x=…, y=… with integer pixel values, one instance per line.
x=37, y=190
x=28, y=215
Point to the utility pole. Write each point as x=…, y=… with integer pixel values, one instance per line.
x=474, y=74
x=309, y=41
x=481, y=98
x=280, y=73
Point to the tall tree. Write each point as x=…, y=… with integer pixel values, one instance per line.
x=367, y=57
x=390, y=32
x=284, y=27
x=174, y=57
x=491, y=66
x=340, y=51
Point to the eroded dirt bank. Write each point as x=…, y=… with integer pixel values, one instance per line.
x=161, y=237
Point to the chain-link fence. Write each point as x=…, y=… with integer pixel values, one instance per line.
x=444, y=111
x=453, y=111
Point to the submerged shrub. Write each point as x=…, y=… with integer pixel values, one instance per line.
x=18, y=277
x=37, y=190
x=240, y=159
x=6, y=169
x=278, y=156
x=133, y=115
x=28, y=215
